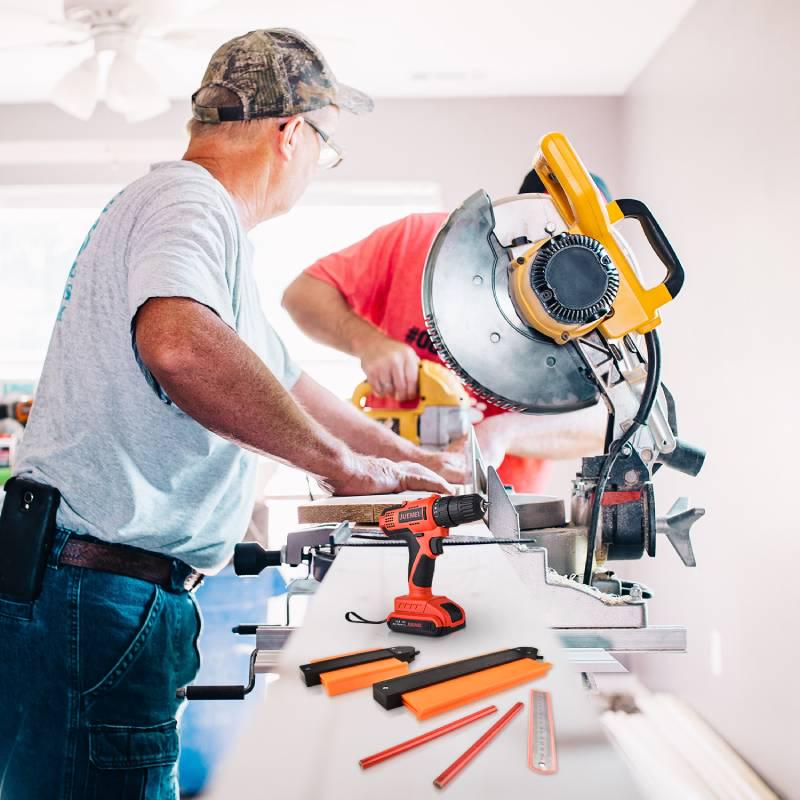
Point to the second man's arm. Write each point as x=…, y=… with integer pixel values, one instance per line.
x=319, y=309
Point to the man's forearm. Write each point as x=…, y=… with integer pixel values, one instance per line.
x=351, y=425
x=323, y=314
x=551, y=436
x=223, y=385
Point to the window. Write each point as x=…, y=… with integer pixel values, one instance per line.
x=41, y=231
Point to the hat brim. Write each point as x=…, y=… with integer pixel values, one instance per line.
x=353, y=100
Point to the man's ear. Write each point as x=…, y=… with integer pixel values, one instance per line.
x=289, y=134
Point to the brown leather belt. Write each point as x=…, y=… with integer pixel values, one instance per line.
x=128, y=561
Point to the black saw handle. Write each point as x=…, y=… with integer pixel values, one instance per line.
x=636, y=209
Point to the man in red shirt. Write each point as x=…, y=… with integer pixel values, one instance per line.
x=366, y=301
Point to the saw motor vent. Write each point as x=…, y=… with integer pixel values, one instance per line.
x=574, y=278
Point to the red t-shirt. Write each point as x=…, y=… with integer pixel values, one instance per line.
x=381, y=279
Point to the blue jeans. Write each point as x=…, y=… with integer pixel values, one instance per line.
x=88, y=674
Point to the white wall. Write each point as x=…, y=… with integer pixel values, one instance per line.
x=461, y=144
x=467, y=144
x=710, y=138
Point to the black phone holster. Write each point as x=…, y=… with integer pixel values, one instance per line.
x=27, y=527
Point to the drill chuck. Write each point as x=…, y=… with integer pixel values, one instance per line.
x=449, y=512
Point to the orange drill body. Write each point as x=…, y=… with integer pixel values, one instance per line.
x=424, y=525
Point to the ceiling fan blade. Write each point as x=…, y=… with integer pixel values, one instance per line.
x=133, y=91
x=20, y=29
x=42, y=10
x=5, y=47
x=179, y=65
x=77, y=91
x=206, y=39
x=163, y=15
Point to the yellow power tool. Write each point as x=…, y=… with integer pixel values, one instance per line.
x=569, y=284
x=435, y=419
x=535, y=302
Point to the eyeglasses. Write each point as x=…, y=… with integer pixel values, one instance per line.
x=330, y=154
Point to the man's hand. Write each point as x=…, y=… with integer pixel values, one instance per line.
x=392, y=368
x=369, y=475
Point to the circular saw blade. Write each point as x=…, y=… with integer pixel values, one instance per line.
x=471, y=319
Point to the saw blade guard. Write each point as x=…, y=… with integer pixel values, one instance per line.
x=471, y=318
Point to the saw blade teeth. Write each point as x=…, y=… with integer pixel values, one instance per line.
x=476, y=388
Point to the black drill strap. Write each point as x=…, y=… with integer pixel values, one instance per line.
x=311, y=672
x=390, y=693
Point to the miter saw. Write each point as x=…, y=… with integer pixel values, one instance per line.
x=559, y=319
x=438, y=416
x=535, y=302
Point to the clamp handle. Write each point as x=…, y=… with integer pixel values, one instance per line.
x=250, y=558
x=213, y=692
x=677, y=527
x=222, y=692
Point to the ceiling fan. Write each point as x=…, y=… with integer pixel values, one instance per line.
x=114, y=32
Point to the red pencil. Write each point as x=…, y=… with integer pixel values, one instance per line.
x=476, y=748
x=371, y=761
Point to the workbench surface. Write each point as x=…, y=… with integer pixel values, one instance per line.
x=305, y=745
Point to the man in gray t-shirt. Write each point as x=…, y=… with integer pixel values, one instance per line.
x=162, y=384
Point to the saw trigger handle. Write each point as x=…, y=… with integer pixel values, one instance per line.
x=636, y=209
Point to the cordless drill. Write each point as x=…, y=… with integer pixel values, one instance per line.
x=423, y=525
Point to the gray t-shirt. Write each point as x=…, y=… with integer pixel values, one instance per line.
x=130, y=465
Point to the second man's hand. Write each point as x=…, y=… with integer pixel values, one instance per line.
x=392, y=368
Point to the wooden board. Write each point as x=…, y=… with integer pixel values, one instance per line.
x=535, y=511
x=364, y=510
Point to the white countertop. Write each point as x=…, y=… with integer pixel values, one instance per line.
x=305, y=745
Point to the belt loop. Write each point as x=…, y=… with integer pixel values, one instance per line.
x=60, y=538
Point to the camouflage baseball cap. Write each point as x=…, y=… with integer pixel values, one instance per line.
x=274, y=72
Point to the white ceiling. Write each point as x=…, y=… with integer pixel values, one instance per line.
x=403, y=48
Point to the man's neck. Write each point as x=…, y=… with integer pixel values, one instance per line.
x=247, y=183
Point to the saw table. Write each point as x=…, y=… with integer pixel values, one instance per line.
x=304, y=744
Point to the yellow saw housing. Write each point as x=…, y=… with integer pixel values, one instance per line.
x=440, y=391
x=630, y=306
